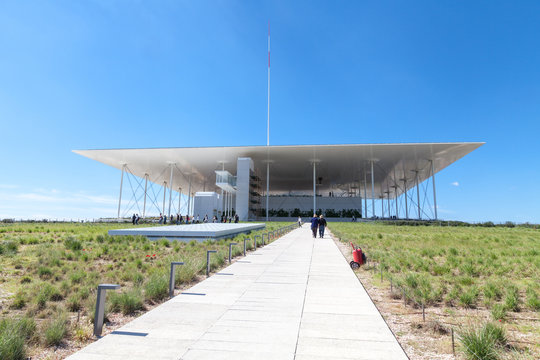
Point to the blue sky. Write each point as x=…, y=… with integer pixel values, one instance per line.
x=115, y=74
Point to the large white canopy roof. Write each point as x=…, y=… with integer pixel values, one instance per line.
x=341, y=167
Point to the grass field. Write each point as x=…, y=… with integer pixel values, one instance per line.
x=493, y=269
x=49, y=273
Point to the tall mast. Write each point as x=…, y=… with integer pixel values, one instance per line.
x=268, y=127
x=268, y=119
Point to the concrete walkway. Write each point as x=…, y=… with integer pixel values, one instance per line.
x=296, y=298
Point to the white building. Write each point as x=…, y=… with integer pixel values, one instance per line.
x=257, y=182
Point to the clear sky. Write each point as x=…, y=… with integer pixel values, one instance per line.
x=133, y=74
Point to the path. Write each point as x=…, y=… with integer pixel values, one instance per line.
x=296, y=298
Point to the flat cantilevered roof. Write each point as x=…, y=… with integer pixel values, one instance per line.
x=338, y=167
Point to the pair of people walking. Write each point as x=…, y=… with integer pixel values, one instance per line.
x=318, y=222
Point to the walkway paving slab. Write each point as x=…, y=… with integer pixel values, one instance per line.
x=296, y=298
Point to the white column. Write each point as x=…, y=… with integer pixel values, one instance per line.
x=164, y=194
x=388, y=198
x=405, y=194
x=170, y=188
x=396, y=200
x=418, y=195
x=268, y=166
x=372, y=190
x=145, y=192
x=121, y=184
x=365, y=196
x=189, y=197
x=226, y=204
x=179, y=199
x=314, y=189
x=434, y=191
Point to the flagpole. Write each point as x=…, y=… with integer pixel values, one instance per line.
x=268, y=127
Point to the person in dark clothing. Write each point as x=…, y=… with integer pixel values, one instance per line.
x=322, y=225
x=314, y=225
x=236, y=219
x=133, y=219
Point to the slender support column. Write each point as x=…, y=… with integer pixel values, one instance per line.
x=179, y=199
x=395, y=186
x=170, y=189
x=222, y=203
x=164, y=194
x=189, y=197
x=145, y=193
x=372, y=190
x=382, y=206
x=396, y=200
x=314, y=189
x=268, y=165
x=120, y=196
x=365, y=196
x=388, y=198
x=418, y=195
x=434, y=191
x=405, y=194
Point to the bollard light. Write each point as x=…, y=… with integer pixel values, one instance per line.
x=248, y=239
x=230, y=250
x=171, y=278
x=208, y=252
x=100, y=306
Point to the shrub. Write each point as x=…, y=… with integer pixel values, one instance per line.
x=47, y=292
x=44, y=272
x=532, y=299
x=55, y=331
x=498, y=312
x=157, y=288
x=492, y=291
x=137, y=278
x=165, y=243
x=481, y=343
x=511, y=299
x=12, y=344
x=127, y=302
x=74, y=302
x=20, y=299
x=72, y=244
x=496, y=333
x=468, y=298
x=77, y=276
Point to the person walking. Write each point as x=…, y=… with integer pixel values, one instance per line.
x=314, y=225
x=299, y=221
x=322, y=225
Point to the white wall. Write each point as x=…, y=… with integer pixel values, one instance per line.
x=243, y=167
x=206, y=203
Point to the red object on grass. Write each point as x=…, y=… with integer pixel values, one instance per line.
x=357, y=255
